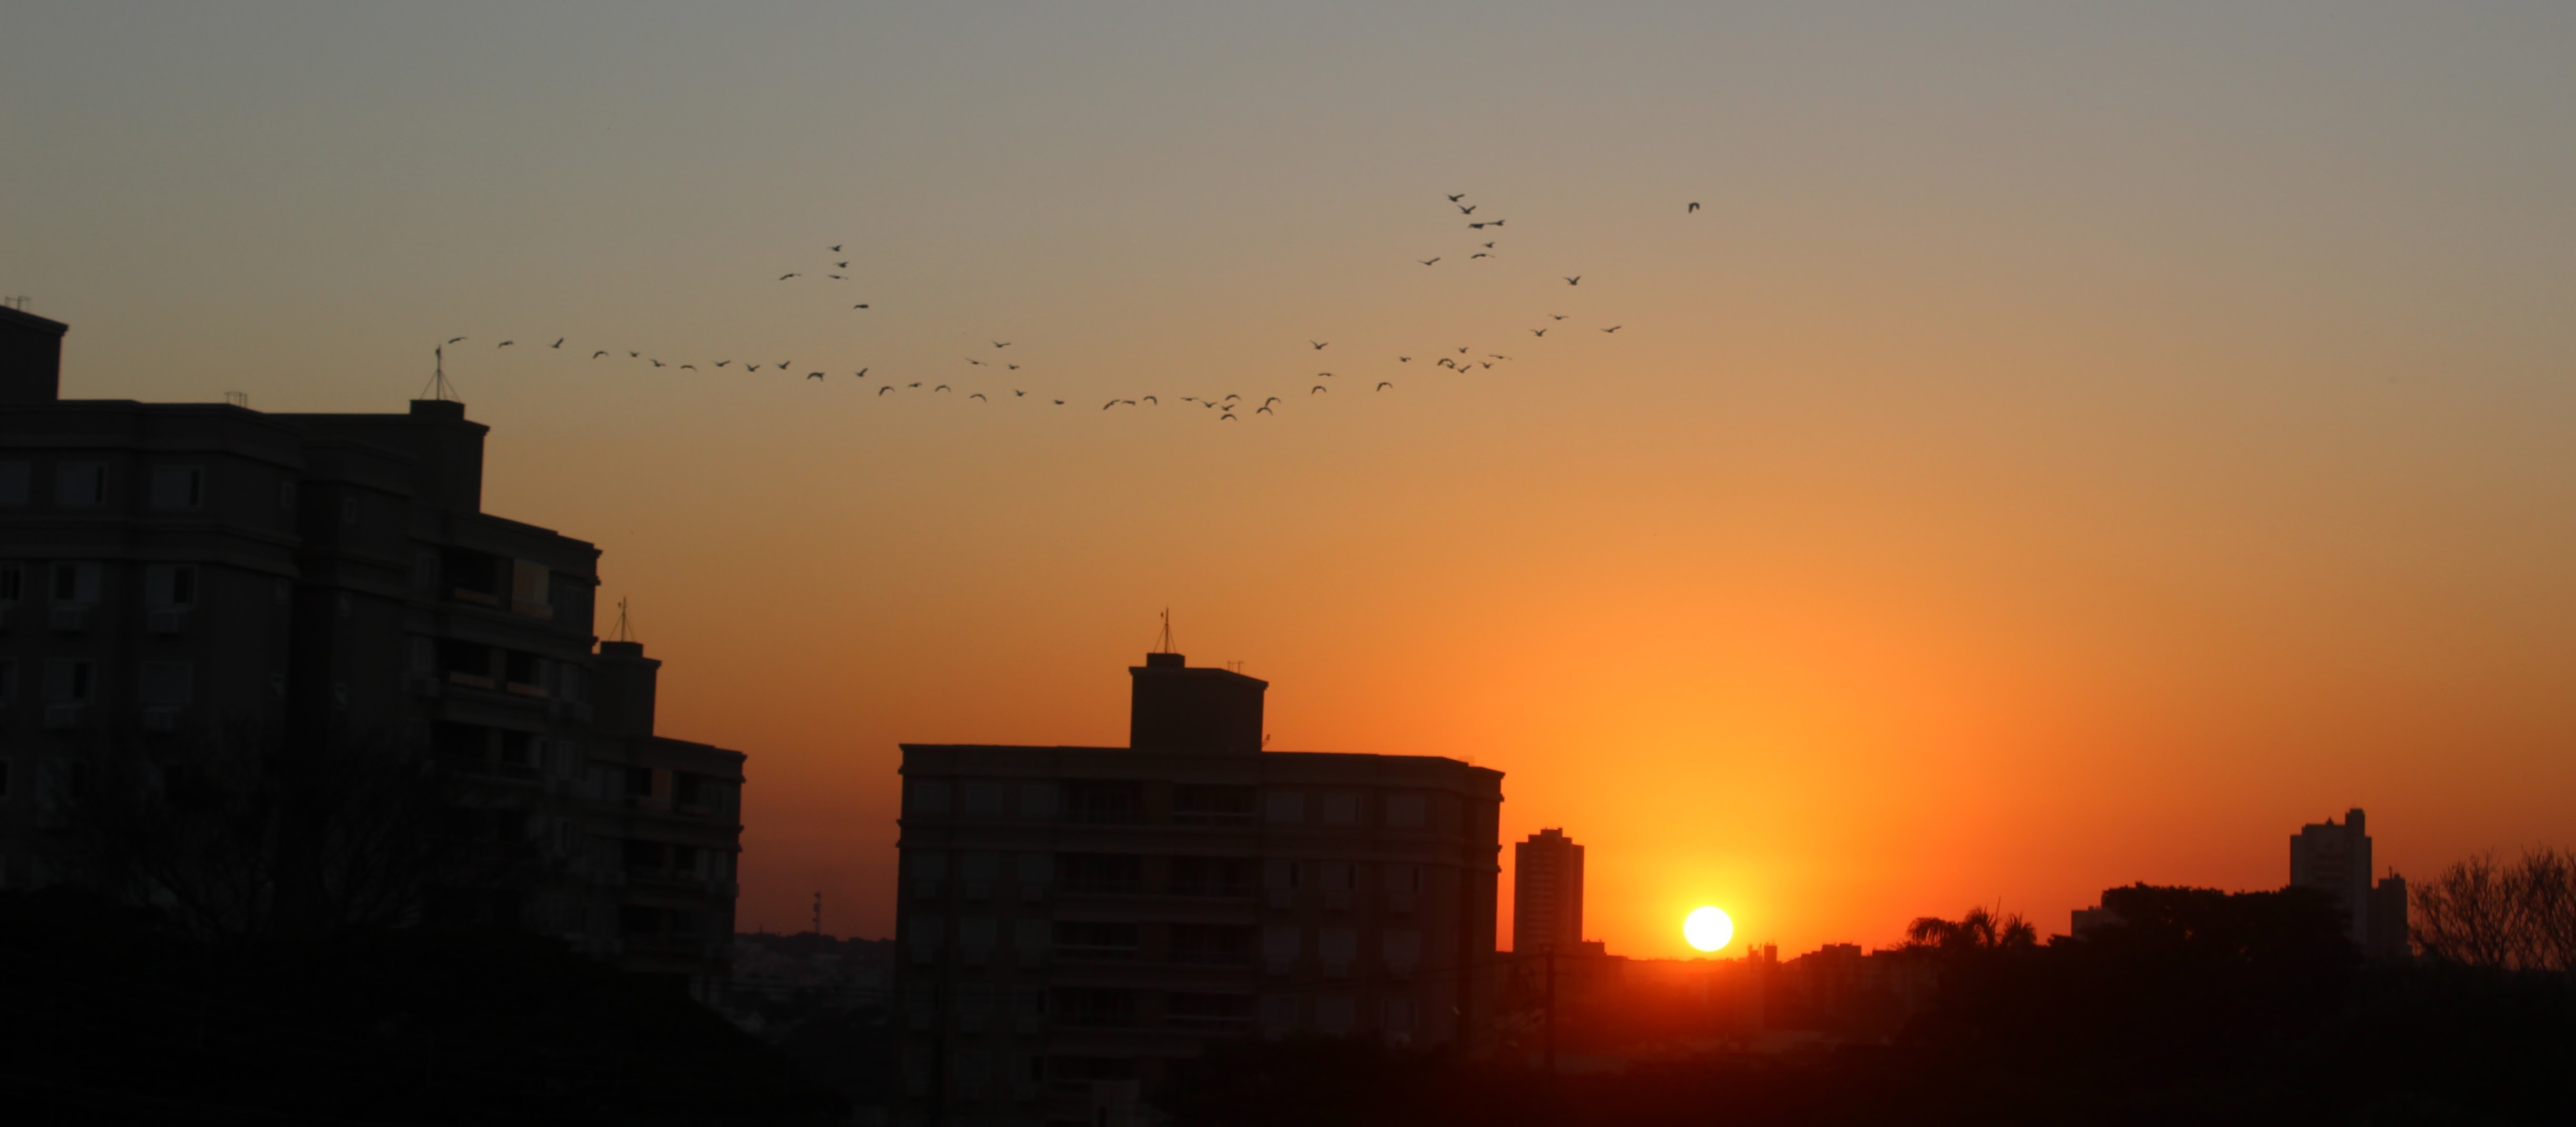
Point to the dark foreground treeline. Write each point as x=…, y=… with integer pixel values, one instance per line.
x=2201, y=1008
x=108, y=1014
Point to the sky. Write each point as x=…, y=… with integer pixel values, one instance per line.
x=2071, y=444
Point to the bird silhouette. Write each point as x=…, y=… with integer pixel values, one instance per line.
x=979, y=395
x=1129, y=402
x=784, y=277
x=1224, y=417
x=1385, y=384
x=840, y=265
x=658, y=364
x=1108, y=405
x=557, y=344
x=975, y=362
x=1575, y=280
x=1429, y=261
x=751, y=367
x=452, y=340
x=1468, y=209
x=1556, y=316
x=1263, y=411
x=813, y=375
x=782, y=365
x=1018, y=393
x=1458, y=197
x=1488, y=364
x=885, y=389
x=1403, y=359
x=1326, y=375
x=1614, y=328
x=1694, y=206
x=836, y=249
x=1013, y=367
x=1001, y=344
x=1154, y=401
x=1233, y=396
x=1462, y=351
x=505, y=344
x=1538, y=332
x=688, y=367
x=1489, y=246
x=860, y=374
x=1319, y=344
x=915, y=383
x=1059, y=403
x=1498, y=356
x=632, y=355
x=1269, y=401
x=942, y=387
x=1318, y=387
x=861, y=305
x=836, y=277
x=1475, y=226
x=1496, y=222
x=598, y=354
x=1477, y=255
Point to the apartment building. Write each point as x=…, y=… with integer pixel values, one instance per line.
x=172, y=570
x=1073, y=919
x=1547, y=894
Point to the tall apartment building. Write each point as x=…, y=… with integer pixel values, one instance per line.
x=2335, y=859
x=1072, y=919
x=1547, y=894
x=172, y=570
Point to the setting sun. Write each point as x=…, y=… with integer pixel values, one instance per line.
x=1708, y=929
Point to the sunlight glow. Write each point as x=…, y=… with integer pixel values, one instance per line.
x=1708, y=929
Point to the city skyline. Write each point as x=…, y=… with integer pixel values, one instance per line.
x=2174, y=452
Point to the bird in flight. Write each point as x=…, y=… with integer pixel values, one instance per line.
x=1694, y=206
x=1496, y=222
x=861, y=305
x=1614, y=328
x=979, y=395
x=1383, y=385
x=1575, y=280
x=598, y=354
x=1001, y=344
x=1326, y=375
x=688, y=367
x=1263, y=411
x=975, y=362
x=1468, y=209
x=841, y=265
x=1538, y=332
x=505, y=344
x=751, y=367
x=1498, y=356
x=1019, y=393
x=1154, y=401
x=1108, y=405
x=885, y=389
x=632, y=355
x=915, y=383
x=1489, y=246
x=1319, y=344
x=1557, y=316
x=1477, y=255
x=836, y=250
x=1403, y=359
x=784, y=277
x=1458, y=197
x=1273, y=399
x=1013, y=367
x=860, y=374
x=1224, y=417
x=452, y=340
x=1429, y=261
x=1059, y=403
x=1318, y=387
x=1475, y=226
x=557, y=344
x=836, y=277
x=813, y=375
x=659, y=364
x=942, y=387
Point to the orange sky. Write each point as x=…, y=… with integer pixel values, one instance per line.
x=2067, y=449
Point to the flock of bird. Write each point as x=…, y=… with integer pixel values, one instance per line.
x=999, y=362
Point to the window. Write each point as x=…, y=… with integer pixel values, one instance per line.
x=13, y=582
x=1404, y=810
x=67, y=680
x=170, y=585
x=984, y=800
x=1341, y=809
x=1208, y=1011
x=1107, y=802
x=1287, y=807
x=80, y=485
x=1221, y=877
x=530, y=590
x=75, y=583
x=925, y=796
x=1212, y=805
x=1334, y=1013
x=178, y=487
x=1212, y=944
x=166, y=683
x=1102, y=873
x=1037, y=800
x=1082, y=1008
x=14, y=479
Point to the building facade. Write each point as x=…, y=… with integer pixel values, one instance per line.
x=2335, y=859
x=1547, y=894
x=1073, y=919
x=177, y=571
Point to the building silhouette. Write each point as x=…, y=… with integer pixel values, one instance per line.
x=1072, y=919
x=1547, y=893
x=2335, y=859
x=172, y=570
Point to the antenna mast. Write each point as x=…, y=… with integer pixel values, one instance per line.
x=438, y=387
x=622, y=633
x=1164, y=644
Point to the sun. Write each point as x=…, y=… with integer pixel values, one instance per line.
x=1708, y=928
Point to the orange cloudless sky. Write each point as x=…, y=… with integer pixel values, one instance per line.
x=2065, y=448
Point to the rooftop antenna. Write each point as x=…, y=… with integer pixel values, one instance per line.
x=1163, y=645
x=623, y=633
x=438, y=387
x=818, y=913
x=15, y=301
x=237, y=399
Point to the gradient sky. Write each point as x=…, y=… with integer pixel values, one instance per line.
x=2074, y=445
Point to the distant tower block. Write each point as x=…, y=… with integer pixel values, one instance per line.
x=1547, y=893
x=2335, y=859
